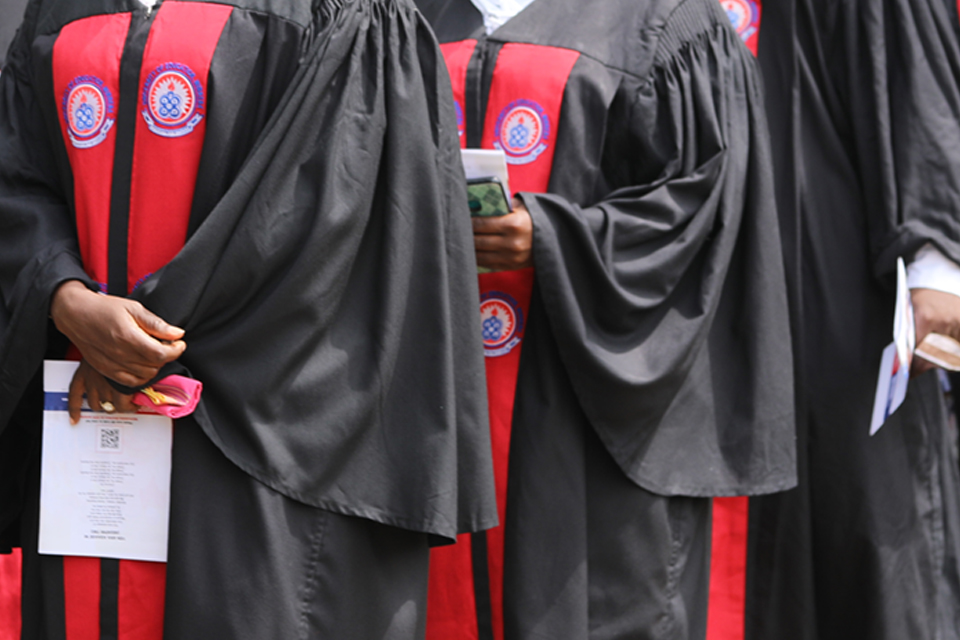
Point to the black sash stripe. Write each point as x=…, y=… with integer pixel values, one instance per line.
x=43, y=603
x=130, y=65
x=53, y=607
x=477, y=90
x=109, y=598
x=481, y=585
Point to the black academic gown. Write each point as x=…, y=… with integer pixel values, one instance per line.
x=324, y=272
x=864, y=105
x=11, y=12
x=656, y=357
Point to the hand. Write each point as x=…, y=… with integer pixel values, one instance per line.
x=504, y=243
x=88, y=382
x=935, y=312
x=118, y=337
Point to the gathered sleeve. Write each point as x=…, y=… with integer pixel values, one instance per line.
x=667, y=297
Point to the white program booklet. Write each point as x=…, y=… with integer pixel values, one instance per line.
x=105, y=482
x=897, y=357
x=485, y=163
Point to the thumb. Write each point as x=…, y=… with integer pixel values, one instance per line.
x=154, y=325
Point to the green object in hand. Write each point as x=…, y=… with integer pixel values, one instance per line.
x=486, y=197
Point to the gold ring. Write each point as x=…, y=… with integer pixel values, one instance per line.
x=108, y=406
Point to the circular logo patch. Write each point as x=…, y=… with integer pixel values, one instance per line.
x=88, y=110
x=522, y=131
x=172, y=100
x=502, y=323
x=743, y=16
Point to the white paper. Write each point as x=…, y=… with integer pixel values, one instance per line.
x=484, y=163
x=904, y=324
x=894, y=375
x=891, y=387
x=105, y=482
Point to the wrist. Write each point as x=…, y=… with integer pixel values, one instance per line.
x=63, y=298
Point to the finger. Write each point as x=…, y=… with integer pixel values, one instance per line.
x=156, y=353
x=492, y=243
x=135, y=348
x=489, y=225
x=106, y=393
x=75, y=397
x=504, y=261
x=129, y=374
x=154, y=325
x=123, y=402
x=492, y=260
x=100, y=392
x=94, y=397
x=130, y=380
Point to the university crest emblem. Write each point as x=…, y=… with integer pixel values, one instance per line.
x=502, y=322
x=522, y=131
x=88, y=110
x=172, y=100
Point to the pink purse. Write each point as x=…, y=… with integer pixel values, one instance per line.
x=174, y=396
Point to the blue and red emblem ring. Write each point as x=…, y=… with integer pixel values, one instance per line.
x=88, y=110
x=172, y=100
x=744, y=15
x=522, y=131
x=501, y=321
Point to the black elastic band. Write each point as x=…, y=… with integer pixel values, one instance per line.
x=481, y=586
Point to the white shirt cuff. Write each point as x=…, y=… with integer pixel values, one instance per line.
x=931, y=269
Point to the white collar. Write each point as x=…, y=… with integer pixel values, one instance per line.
x=496, y=13
x=148, y=3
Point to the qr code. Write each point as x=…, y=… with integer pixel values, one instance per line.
x=108, y=439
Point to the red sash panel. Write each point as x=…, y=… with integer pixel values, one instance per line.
x=141, y=599
x=81, y=597
x=457, y=56
x=171, y=123
x=521, y=119
x=523, y=112
x=10, y=596
x=86, y=81
x=726, y=611
x=451, y=604
x=745, y=17
x=498, y=292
